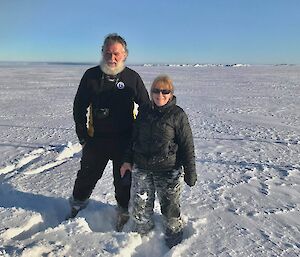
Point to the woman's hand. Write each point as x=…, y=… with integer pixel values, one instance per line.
x=125, y=166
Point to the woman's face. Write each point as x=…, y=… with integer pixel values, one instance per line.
x=160, y=96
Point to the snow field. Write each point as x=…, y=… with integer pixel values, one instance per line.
x=246, y=128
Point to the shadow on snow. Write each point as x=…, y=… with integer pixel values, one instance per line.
x=54, y=209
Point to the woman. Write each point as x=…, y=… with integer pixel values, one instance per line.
x=161, y=155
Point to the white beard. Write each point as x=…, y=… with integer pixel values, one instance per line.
x=112, y=71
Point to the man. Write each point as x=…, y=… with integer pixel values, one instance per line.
x=108, y=91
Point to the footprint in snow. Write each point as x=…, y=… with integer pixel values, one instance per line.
x=36, y=160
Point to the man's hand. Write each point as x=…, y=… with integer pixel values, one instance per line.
x=125, y=166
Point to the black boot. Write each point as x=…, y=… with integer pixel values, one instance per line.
x=122, y=218
x=76, y=206
x=73, y=213
x=173, y=238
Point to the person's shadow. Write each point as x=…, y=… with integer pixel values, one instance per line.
x=54, y=210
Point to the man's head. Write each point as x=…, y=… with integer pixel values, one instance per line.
x=114, y=54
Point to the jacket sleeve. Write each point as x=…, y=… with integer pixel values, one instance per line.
x=81, y=103
x=142, y=97
x=128, y=153
x=184, y=138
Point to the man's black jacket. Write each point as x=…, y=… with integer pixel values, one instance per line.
x=116, y=98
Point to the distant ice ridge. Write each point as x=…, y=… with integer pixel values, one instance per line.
x=221, y=65
x=198, y=65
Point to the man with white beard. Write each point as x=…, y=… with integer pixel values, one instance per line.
x=109, y=92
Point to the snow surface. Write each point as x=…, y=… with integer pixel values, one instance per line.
x=246, y=128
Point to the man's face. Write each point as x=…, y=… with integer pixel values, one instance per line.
x=114, y=54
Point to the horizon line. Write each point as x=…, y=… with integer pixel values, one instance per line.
x=144, y=64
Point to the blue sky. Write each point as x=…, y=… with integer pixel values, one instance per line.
x=157, y=31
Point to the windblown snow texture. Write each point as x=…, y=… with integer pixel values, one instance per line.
x=246, y=128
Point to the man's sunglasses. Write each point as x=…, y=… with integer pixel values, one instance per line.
x=163, y=91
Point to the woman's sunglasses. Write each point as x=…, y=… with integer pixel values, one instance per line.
x=163, y=91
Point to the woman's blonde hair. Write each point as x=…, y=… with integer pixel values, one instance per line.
x=163, y=82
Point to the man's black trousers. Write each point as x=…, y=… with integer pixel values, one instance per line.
x=95, y=156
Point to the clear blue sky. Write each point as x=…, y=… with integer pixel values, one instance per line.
x=157, y=31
